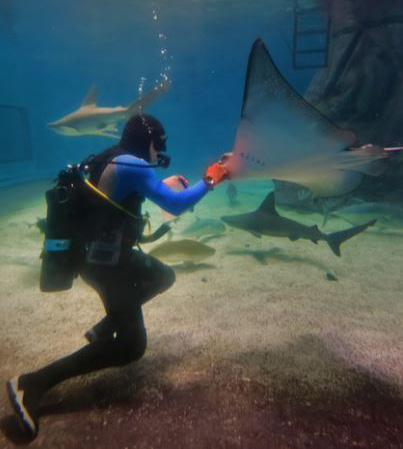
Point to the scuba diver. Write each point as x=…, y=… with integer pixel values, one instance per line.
x=106, y=224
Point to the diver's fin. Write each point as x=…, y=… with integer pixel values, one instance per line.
x=335, y=239
x=91, y=98
x=268, y=205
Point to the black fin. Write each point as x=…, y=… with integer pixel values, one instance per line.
x=256, y=234
x=293, y=237
x=314, y=228
x=335, y=239
x=268, y=205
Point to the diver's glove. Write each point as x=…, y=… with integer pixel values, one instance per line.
x=215, y=173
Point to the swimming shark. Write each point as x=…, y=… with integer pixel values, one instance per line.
x=203, y=227
x=102, y=121
x=388, y=215
x=266, y=221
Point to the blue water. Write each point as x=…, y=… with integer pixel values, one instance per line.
x=52, y=52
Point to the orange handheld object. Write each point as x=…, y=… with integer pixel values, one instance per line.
x=216, y=173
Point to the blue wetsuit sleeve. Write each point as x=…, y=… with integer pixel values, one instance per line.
x=145, y=181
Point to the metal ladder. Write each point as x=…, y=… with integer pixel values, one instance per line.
x=310, y=22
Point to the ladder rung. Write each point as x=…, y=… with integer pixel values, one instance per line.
x=306, y=52
x=303, y=11
x=307, y=33
x=309, y=66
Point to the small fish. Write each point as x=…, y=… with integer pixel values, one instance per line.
x=232, y=194
x=203, y=227
x=40, y=224
x=185, y=250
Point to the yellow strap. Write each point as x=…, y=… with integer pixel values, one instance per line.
x=117, y=205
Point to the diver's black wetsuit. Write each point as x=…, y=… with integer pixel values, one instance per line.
x=99, y=231
x=120, y=337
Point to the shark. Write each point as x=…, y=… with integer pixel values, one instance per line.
x=203, y=227
x=92, y=119
x=267, y=221
x=388, y=215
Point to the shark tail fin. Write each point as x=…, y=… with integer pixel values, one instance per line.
x=335, y=239
x=315, y=239
x=138, y=106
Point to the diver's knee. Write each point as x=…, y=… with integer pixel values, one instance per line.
x=129, y=348
x=168, y=278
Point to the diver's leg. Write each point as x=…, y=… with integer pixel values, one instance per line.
x=126, y=344
x=151, y=276
x=148, y=276
x=103, y=329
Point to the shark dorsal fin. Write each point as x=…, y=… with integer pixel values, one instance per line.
x=91, y=98
x=268, y=205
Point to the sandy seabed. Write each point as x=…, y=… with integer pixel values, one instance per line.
x=253, y=348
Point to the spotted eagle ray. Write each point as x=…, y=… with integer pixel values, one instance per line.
x=182, y=251
x=102, y=121
x=281, y=136
x=266, y=221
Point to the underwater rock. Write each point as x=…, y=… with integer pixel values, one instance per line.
x=361, y=88
x=330, y=276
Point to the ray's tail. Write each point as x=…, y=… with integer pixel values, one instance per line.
x=335, y=239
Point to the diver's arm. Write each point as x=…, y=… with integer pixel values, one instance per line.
x=141, y=178
x=175, y=202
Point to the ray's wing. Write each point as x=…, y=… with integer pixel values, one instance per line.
x=283, y=137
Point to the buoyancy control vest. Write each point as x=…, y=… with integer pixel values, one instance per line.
x=113, y=228
x=82, y=227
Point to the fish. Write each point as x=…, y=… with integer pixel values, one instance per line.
x=232, y=194
x=203, y=227
x=282, y=137
x=90, y=119
x=387, y=215
x=267, y=221
x=40, y=224
x=186, y=250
